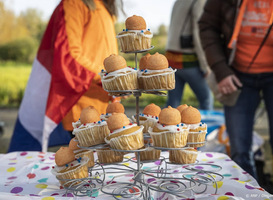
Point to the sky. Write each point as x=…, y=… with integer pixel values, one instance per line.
x=155, y=12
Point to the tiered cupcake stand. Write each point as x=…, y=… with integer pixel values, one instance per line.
x=178, y=180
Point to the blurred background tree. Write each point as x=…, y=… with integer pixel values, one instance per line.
x=20, y=35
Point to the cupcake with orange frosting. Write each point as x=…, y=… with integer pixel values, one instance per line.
x=182, y=107
x=183, y=156
x=155, y=74
x=149, y=153
x=117, y=76
x=123, y=134
x=68, y=167
x=73, y=145
x=149, y=117
x=92, y=130
x=107, y=156
x=197, y=130
x=136, y=36
x=142, y=66
x=169, y=132
x=115, y=107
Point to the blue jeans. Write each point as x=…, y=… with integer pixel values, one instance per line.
x=240, y=117
x=194, y=77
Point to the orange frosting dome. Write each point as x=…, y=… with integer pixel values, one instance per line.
x=117, y=121
x=115, y=107
x=152, y=109
x=157, y=62
x=143, y=61
x=114, y=62
x=64, y=156
x=182, y=107
x=89, y=115
x=190, y=115
x=73, y=145
x=135, y=23
x=169, y=116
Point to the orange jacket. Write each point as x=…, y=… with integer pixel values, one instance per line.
x=91, y=38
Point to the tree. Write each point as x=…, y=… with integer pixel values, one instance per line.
x=32, y=20
x=162, y=30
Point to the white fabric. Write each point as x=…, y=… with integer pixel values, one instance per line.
x=33, y=106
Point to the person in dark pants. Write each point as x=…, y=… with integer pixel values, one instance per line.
x=231, y=32
x=185, y=53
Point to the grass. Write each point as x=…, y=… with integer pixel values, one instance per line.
x=13, y=80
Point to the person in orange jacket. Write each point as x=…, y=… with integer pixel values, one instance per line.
x=96, y=39
x=64, y=78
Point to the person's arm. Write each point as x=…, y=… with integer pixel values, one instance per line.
x=76, y=15
x=210, y=25
x=196, y=13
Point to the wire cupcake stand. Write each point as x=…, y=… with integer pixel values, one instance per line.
x=141, y=181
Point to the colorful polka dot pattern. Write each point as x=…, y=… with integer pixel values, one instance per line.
x=34, y=168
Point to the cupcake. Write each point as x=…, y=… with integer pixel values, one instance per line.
x=181, y=108
x=135, y=37
x=73, y=145
x=115, y=107
x=142, y=66
x=157, y=75
x=169, y=132
x=86, y=153
x=106, y=156
x=68, y=168
x=149, y=117
x=184, y=156
x=197, y=130
x=92, y=130
x=123, y=134
x=150, y=153
x=118, y=76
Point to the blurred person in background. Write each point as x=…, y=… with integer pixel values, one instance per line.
x=237, y=38
x=184, y=53
x=64, y=77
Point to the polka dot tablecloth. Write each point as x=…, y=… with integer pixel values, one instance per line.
x=27, y=175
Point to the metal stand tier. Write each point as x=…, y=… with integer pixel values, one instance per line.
x=180, y=180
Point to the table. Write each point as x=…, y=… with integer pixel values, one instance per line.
x=27, y=175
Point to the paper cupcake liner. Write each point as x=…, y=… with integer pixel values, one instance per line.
x=132, y=141
x=65, y=178
x=196, y=137
x=183, y=156
x=169, y=139
x=124, y=82
x=108, y=156
x=86, y=153
x=149, y=154
x=91, y=136
x=134, y=42
x=158, y=81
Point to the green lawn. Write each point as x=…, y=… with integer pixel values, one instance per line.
x=14, y=77
x=13, y=80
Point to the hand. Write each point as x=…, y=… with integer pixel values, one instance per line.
x=228, y=84
x=207, y=73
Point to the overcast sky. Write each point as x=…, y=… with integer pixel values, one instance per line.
x=155, y=12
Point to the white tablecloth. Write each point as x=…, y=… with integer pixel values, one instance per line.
x=27, y=175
